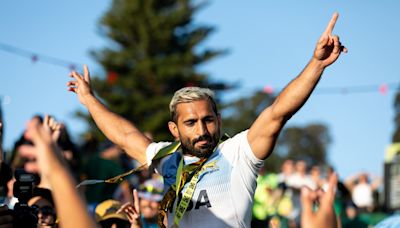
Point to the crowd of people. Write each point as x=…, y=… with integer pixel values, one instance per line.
x=135, y=202
x=29, y=184
x=199, y=179
x=277, y=197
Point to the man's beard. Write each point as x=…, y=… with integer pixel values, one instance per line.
x=188, y=147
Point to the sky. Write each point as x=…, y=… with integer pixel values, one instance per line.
x=268, y=43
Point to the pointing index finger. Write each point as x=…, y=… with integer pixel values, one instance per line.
x=331, y=24
x=86, y=73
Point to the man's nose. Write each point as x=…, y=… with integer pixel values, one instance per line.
x=202, y=129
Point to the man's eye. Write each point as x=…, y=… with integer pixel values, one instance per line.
x=209, y=120
x=190, y=123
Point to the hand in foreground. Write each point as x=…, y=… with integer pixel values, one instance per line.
x=329, y=47
x=132, y=210
x=52, y=126
x=45, y=149
x=81, y=84
x=324, y=216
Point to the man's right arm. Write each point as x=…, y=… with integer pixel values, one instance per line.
x=116, y=128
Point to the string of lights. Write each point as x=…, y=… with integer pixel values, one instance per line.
x=34, y=57
x=383, y=88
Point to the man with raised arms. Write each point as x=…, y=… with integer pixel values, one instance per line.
x=210, y=182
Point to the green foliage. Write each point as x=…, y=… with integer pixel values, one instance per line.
x=308, y=143
x=241, y=113
x=154, y=52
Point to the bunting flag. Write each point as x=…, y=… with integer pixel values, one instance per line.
x=112, y=77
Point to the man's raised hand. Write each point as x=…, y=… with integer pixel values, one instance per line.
x=81, y=84
x=329, y=47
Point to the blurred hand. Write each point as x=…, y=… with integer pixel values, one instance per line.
x=44, y=149
x=325, y=215
x=52, y=126
x=81, y=84
x=329, y=47
x=132, y=210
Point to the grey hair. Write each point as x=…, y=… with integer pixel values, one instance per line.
x=190, y=94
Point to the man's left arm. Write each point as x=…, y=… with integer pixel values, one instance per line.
x=265, y=130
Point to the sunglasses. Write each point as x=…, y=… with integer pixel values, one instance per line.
x=45, y=210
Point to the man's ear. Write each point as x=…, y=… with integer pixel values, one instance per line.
x=173, y=128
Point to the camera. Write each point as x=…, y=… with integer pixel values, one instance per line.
x=24, y=216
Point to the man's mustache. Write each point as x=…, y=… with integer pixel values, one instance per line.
x=203, y=137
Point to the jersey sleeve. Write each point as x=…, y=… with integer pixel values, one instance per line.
x=240, y=153
x=245, y=167
x=151, y=151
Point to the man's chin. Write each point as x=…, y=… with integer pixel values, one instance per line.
x=203, y=151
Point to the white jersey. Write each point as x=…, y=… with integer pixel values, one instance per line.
x=224, y=193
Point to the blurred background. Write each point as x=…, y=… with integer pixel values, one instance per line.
x=246, y=51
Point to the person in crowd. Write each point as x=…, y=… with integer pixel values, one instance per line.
x=108, y=216
x=299, y=179
x=317, y=206
x=287, y=170
x=22, y=156
x=362, y=190
x=317, y=181
x=150, y=195
x=300, y=176
x=6, y=215
x=43, y=205
x=272, y=204
x=208, y=182
x=143, y=210
x=70, y=207
x=6, y=175
x=352, y=218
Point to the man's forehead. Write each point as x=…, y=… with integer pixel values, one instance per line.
x=194, y=108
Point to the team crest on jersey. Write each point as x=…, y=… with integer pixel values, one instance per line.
x=209, y=167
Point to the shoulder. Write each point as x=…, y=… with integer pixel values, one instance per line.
x=239, y=139
x=153, y=148
x=237, y=149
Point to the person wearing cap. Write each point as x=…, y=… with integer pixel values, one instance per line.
x=107, y=215
x=208, y=182
x=143, y=211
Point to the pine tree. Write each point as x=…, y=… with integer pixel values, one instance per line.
x=155, y=51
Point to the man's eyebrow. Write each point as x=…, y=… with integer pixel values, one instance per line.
x=189, y=120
